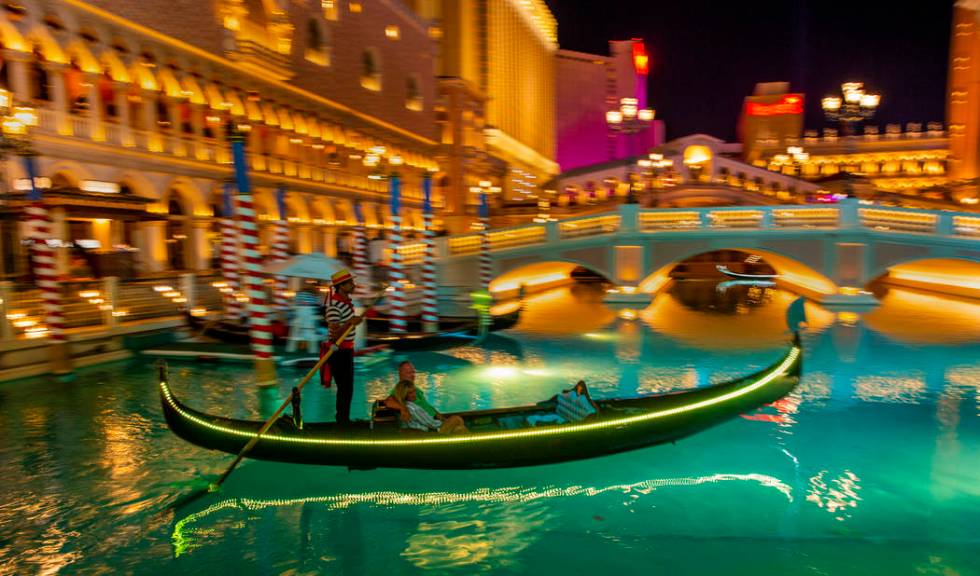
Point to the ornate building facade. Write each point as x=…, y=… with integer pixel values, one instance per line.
x=496, y=69
x=134, y=98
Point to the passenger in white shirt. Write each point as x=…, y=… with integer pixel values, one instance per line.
x=417, y=418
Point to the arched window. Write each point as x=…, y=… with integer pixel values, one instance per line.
x=41, y=88
x=370, y=70
x=413, y=96
x=163, y=114
x=317, y=50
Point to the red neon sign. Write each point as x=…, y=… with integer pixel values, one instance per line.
x=641, y=60
x=789, y=104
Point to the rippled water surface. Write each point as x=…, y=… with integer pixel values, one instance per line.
x=872, y=466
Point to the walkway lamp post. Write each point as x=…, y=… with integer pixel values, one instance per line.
x=855, y=107
x=16, y=122
x=629, y=121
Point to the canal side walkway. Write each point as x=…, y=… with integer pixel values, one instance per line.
x=105, y=319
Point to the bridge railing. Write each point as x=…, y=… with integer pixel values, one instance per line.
x=589, y=226
x=516, y=236
x=848, y=215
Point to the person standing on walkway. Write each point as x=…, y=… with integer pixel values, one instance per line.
x=340, y=365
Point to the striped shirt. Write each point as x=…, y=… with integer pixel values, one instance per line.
x=340, y=310
x=420, y=419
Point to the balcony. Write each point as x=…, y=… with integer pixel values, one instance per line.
x=258, y=58
x=189, y=147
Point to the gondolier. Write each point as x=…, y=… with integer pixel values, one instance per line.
x=340, y=366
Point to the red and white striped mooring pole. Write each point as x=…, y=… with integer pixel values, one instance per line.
x=397, y=299
x=229, y=256
x=430, y=305
x=280, y=250
x=45, y=273
x=260, y=329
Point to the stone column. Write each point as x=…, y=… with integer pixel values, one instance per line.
x=97, y=131
x=153, y=141
x=152, y=248
x=188, y=287
x=59, y=96
x=19, y=78
x=330, y=241
x=197, y=126
x=304, y=238
x=110, y=293
x=199, y=245
x=6, y=292
x=121, y=94
x=173, y=144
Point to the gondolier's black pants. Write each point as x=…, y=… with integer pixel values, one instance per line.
x=342, y=370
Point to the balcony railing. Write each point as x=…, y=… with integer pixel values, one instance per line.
x=191, y=147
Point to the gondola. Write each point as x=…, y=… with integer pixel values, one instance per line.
x=381, y=323
x=411, y=341
x=724, y=270
x=498, y=438
x=453, y=331
x=223, y=330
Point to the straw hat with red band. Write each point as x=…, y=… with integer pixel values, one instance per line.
x=341, y=276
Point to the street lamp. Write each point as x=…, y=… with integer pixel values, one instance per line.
x=794, y=158
x=855, y=107
x=652, y=166
x=629, y=120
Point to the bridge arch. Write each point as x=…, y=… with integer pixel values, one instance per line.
x=538, y=276
x=958, y=276
x=793, y=274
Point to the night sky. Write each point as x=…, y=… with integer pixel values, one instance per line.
x=708, y=55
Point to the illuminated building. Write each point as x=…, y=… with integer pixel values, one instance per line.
x=696, y=170
x=898, y=166
x=496, y=65
x=907, y=166
x=588, y=86
x=963, y=104
x=134, y=98
x=770, y=116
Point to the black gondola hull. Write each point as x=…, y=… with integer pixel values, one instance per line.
x=621, y=425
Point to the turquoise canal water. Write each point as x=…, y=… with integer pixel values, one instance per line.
x=872, y=466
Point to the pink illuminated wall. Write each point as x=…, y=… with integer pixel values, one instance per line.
x=587, y=86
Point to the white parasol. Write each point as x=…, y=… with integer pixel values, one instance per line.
x=315, y=266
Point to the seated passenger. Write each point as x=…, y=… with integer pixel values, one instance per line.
x=573, y=405
x=416, y=418
x=406, y=371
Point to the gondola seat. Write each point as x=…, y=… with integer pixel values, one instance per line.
x=382, y=416
x=573, y=405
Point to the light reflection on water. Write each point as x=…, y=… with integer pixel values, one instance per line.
x=874, y=458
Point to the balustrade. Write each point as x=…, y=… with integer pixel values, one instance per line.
x=893, y=220
x=593, y=226
x=847, y=215
x=187, y=145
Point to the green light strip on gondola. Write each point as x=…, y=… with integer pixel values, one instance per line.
x=492, y=436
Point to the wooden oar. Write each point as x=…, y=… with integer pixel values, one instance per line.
x=268, y=423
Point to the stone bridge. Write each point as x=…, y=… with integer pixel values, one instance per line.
x=827, y=253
